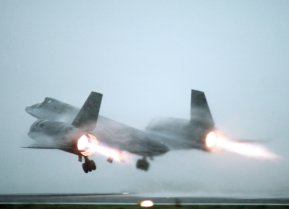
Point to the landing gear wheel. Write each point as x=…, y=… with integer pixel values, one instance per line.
x=142, y=164
x=88, y=166
x=85, y=167
x=92, y=165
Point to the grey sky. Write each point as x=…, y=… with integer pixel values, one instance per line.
x=145, y=56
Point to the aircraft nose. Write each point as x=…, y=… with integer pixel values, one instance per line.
x=30, y=109
x=33, y=110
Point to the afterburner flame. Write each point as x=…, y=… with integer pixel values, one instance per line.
x=212, y=141
x=88, y=145
x=216, y=140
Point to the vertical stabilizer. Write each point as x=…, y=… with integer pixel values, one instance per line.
x=200, y=111
x=87, y=116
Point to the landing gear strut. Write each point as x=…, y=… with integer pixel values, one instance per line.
x=142, y=164
x=88, y=165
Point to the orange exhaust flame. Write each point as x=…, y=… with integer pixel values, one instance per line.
x=216, y=141
x=88, y=145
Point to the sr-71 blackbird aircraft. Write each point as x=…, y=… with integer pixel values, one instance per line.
x=64, y=127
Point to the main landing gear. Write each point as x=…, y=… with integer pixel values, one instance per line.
x=88, y=165
x=142, y=164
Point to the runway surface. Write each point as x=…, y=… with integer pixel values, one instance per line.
x=132, y=199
